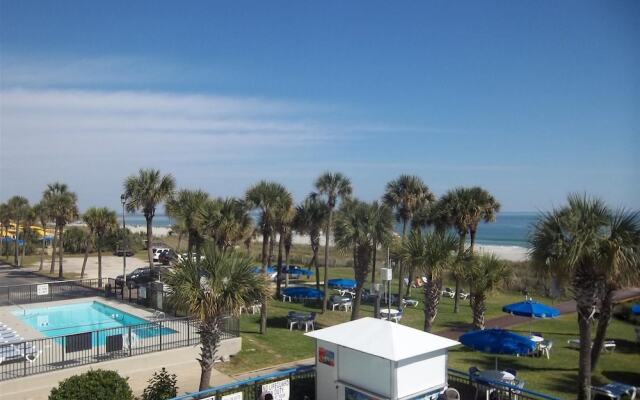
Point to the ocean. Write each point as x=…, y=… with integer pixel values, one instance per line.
x=509, y=229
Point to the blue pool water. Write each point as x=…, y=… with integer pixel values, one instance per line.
x=76, y=318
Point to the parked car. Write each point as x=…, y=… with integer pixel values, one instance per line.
x=168, y=257
x=157, y=251
x=121, y=252
x=139, y=276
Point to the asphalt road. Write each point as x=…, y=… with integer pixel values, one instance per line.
x=18, y=276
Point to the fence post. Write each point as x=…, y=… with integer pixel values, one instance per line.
x=129, y=341
x=160, y=323
x=24, y=352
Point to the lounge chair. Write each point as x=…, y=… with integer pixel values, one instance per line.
x=609, y=346
x=410, y=302
x=157, y=315
x=545, y=348
x=448, y=292
x=463, y=295
x=615, y=390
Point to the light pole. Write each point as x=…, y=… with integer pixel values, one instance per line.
x=123, y=200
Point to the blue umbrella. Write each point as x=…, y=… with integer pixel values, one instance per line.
x=341, y=283
x=635, y=309
x=258, y=270
x=530, y=308
x=303, y=293
x=295, y=270
x=498, y=341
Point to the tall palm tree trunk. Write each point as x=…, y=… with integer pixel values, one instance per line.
x=432, y=293
x=6, y=243
x=478, y=307
x=400, y=267
x=99, y=263
x=456, y=305
x=326, y=261
x=53, y=250
x=210, y=335
x=61, y=253
x=149, y=219
x=361, y=266
x=265, y=264
x=86, y=256
x=279, y=272
x=287, y=251
x=25, y=234
x=179, y=242
x=374, y=255
x=16, y=247
x=44, y=234
x=472, y=237
x=585, y=293
x=606, y=309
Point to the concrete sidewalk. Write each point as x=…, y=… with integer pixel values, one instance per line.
x=139, y=369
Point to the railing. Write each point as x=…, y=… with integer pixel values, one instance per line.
x=300, y=382
x=468, y=387
x=47, y=354
x=51, y=291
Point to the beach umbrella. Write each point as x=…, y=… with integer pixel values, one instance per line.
x=531, y=309
x=498, y=341
x=303, y=293
x=342, y=283
x=635, y=309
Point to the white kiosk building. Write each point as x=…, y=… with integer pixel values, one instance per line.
x=376, y=359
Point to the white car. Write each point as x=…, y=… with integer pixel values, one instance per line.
x=157, y=251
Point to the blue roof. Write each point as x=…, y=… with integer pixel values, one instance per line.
x=531, y=308
x=497, y=341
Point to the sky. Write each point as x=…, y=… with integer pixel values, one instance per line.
x=531, y=100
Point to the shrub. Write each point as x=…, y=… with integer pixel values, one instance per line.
x=75, y=239
x=96, y=384
x=162, y=386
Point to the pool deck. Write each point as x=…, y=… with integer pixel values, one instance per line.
x=139, y=369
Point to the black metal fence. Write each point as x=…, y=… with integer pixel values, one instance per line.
x=46, y=354
x=51, y=291
x=299, y=382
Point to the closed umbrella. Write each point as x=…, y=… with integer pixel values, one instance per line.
x=498, y=341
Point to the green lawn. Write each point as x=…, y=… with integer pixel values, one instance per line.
x=555, y=376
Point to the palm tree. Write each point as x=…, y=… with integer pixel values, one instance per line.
x=28, y=218
x=406, y=195
x=42, y=216
x=485, y=209
x=619, y=251
x=64, y=209
x=186, y=206
x=311, y=216
x=454, y=209
x=382, y=235
x=5, y=220
x=144, y=192
x=430, y=254
x=266, y=197
x=569, y=240
x=226, y=221
x=283, y=220
x=18, y=206
x=356, y=227
x=333, y=186
x=484, y=273
x=213, y=289
x=101, y=222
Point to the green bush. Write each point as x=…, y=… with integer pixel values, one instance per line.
x=162, y=386
x=75, y=239
x=96, y=384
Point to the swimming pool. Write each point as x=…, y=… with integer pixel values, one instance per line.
x=70, y=319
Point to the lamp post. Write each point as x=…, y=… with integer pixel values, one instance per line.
x=123, y=200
